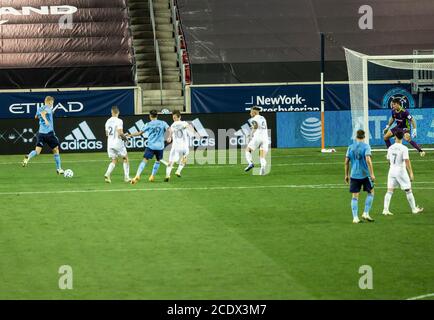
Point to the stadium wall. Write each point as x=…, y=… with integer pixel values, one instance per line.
x=298, y=97
x=79, y=102
x=87, y=134
x=298, y=130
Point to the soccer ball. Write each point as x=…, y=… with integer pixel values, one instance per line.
x=165, y=111
x=68, y=173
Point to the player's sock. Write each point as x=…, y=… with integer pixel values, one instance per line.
x=387, y=199
x=110, y=169
x=411, y=201
x=58, y=162
x=355, y=207
x=263, y=163
x=32, y=154
x=416, y=146
x=180, y=167
x=169, y=170
x=141, y=168
x=155, y=168
x=249, y=157
x=368, y=202
x=388, y=143
x=127, y=170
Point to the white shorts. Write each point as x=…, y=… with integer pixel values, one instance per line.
x=114, y=153
x=398, y=179
x=177, y=153
x=260, y=143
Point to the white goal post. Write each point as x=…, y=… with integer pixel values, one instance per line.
x=358, y=65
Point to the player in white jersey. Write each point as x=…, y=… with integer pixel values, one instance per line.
x=259, y=140
x=180, y=134
x=400, y=174
x=116, y=145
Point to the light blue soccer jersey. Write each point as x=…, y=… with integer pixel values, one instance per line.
x=155, y=130
x=357, y=153
x=43, y=128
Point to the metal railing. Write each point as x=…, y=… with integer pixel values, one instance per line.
x=157, y=49
x=178, y=37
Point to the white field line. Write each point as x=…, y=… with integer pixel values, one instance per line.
x=422, y=297
x=198, y=166
x=305, y=186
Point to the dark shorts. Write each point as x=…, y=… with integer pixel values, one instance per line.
x=394, y=130
x=49, y=139
x=149, y=154
x=356, y=185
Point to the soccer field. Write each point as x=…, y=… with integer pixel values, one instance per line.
x=215, y=233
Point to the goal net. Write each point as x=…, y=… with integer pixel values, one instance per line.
x=414, y=71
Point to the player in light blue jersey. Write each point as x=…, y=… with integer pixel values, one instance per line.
x=362, y=174
x=46, y=135
x=156, y=132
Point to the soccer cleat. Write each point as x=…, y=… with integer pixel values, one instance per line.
x=60, y=171
x=356, y=220
x=25, y=161
x=167, y=179
x=387, y=213
x=249, y=167
x=418, y=210
x=127, y=180
x=107, y=179
x=367, y=217
x=178, y=174
x=151, y=178
x=135, y=180
x=262, y=172
x=422, y=153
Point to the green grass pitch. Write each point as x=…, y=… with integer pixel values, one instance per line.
x=215, y=233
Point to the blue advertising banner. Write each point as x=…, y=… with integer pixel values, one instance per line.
x=15, y=105
x=297, y=130
x=241, y=98
x=299, y=98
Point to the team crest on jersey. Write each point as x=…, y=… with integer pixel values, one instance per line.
x=406, y=98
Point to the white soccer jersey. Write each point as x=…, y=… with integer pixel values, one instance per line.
x=262, y=131
x=397, y=154
x=398, y=176
x=260, y=138
x=113, y=139
x=180, y=134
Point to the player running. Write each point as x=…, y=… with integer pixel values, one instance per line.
x=362, y=174
x=259, y=140
x=180, y=144
x=403, y=120
x=398, y=176
x=156, y=130
x=115, y=145
x=46, y=134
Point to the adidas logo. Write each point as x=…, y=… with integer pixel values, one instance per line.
x=137, y=142
x=81, y=138
x=205, y=140
x=246, y=130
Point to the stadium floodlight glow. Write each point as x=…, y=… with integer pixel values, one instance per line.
x=358, y=65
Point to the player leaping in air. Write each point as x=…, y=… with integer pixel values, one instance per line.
x=115, y=145
x=259, y=140
x=46, y=135
x=180, y=132
x=156, y=131
x=403, y=119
